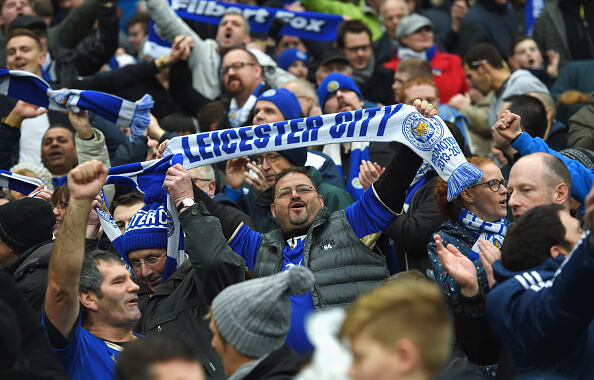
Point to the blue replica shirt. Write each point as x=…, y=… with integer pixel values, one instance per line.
x=367, y=216
x=85, y=357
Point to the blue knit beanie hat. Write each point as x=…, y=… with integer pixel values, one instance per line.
x=285, y=100
x=332, y=83
x=151, y=225
x=287, y=57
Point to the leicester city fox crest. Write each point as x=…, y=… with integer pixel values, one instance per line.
x=421, y=132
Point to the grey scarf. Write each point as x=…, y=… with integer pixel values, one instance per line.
x=363, y=76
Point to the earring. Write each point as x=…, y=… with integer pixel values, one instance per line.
x=471, y=201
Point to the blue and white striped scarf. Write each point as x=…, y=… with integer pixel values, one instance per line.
x=429, y=138
x=142, y=176
x=32, y=89
x=19, y=183
x=493, y=232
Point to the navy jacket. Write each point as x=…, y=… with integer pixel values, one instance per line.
x=544, y=316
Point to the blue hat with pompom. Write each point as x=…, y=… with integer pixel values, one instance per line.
x=151, y=225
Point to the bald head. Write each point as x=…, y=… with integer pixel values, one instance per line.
x=538, y=179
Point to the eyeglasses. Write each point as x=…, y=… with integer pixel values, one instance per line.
x=355, y=49
x=61, y=206
x=149, y=262
x=271, y=158
x=235, y=67
x=300, y=190
x=494, y=184
x=195, y=180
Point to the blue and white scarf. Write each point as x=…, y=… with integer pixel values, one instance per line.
x=32, y=89
x=238, y=116
x=19, y=183
x=142, y=176
x=493, y=232
x=430, y=139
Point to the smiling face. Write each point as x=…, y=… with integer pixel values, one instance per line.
x=527, y=55
x=119, y=303
x=24, y=53
x=344, y=99
x=152, y=275
x=58, y=152
x=295, y=211
x=232, y=32
x=488, y=205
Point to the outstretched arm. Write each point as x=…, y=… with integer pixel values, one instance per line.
x=61, y=300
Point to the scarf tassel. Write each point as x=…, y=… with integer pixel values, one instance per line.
x=462, y=177
x=141, y=117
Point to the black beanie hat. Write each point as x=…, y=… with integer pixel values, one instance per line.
x=297, y=156
x=26, y=223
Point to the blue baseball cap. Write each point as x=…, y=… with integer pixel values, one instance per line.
x=332, y=83
x=285, y=100
x=287, y=57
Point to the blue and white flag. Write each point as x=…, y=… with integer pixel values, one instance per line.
x=32, y=89
x=430, y=139
x=19, y=183
x=307, y=25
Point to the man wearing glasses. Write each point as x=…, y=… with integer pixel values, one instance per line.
x=354, y=41
x=274, y=106
x=337, y=247
x=243, y=81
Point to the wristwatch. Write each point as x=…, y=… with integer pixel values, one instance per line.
x=186, y=202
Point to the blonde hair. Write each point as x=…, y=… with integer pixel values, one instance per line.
x=413, y=310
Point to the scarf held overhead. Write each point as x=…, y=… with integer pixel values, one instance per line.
x=430, y=139
x=32, y=89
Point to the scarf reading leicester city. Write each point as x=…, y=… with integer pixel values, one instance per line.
x=429, y=138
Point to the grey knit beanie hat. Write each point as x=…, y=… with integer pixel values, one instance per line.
x=255, y=316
